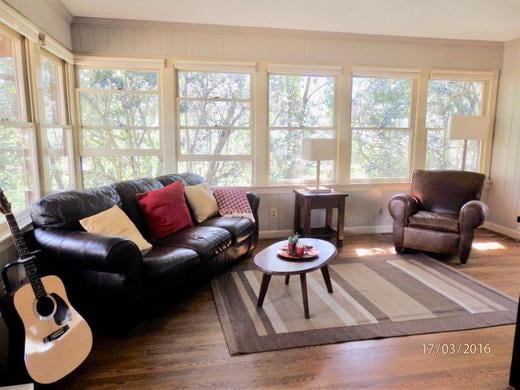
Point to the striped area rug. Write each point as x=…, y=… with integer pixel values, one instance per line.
x=374, y=297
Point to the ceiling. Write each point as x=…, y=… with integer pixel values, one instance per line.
x=493, y=20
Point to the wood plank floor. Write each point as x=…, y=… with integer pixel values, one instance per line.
x=185, y=347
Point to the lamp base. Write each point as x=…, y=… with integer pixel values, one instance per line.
x=319, y=190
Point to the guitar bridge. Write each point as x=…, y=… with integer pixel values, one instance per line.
x=56, y=335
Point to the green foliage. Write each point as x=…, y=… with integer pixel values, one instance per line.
x=299, y=107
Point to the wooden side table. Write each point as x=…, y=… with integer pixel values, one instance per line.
x=307, y=201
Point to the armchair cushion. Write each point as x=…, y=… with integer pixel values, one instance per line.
x=434, y=221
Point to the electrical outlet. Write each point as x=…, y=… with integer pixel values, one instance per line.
x=273, y=213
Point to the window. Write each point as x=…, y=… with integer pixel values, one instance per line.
x=56, y=139
x=300, y=107
x=120, y=124
x=381, y=127
x=214, y=122
x=446, y=98
x=17, y=143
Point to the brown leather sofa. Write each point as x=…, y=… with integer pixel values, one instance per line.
x=108, y=279
x=440, y=213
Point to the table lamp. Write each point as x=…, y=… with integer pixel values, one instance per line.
x=468, y=127
x=318, y=149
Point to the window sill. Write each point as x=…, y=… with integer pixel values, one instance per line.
x=352, y=187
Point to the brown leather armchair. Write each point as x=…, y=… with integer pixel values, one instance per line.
x=440, y=213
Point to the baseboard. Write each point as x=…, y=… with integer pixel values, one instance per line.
x=378, y=229
x=513, y=233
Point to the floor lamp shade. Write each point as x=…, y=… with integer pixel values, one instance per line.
x=318, y=149
x=468, y=127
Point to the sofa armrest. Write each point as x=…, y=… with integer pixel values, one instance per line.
x=401, y=206
x=78, y=249
x=254, y=201
x=472, y=215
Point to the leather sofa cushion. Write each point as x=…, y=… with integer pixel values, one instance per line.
x=164, y=263
x=240, y=228
x=127, y=191
x=206, y=241
x=434, y=221
x=65, y=209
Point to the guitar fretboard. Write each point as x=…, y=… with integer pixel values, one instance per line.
x=23, y=252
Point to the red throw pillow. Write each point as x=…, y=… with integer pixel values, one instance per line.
x=165, y=210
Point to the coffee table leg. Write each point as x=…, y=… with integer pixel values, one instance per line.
x=326, y=278
x=263, y=289
x=286, y=279
x=303, y=280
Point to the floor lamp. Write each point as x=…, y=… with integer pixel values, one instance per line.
x=468, y=127
x=318, y=149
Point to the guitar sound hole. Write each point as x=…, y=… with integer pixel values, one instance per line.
x=45, y=306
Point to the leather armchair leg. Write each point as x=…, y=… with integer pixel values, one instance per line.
x=466, y=240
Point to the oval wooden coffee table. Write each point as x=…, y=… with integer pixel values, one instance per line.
x=268, y=261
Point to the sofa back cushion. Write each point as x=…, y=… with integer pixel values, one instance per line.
x=165, y=210
x=446, y=191
x=127, y=191
x=187, y=178
x=65, y=209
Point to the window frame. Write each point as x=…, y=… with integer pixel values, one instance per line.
x=311, y=71
x=63, y=123
x=25, y=120
x=213, y=67
x=125, y=64
x=388, y=73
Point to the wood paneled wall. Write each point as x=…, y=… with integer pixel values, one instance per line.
x=50, y=15
x=137, y=38
x=504, y=194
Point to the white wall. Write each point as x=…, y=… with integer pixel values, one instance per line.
x=49, y=15
x=504, y=194
x=367, y=205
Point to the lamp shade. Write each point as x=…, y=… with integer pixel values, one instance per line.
x=318, y=149
x=468, y=127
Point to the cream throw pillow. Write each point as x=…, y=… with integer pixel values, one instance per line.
x=114, y=222
x=202, y=202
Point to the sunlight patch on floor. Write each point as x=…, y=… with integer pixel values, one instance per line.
x=375, y=251
x=486, y=246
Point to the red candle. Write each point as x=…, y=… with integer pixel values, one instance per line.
x=300, y=249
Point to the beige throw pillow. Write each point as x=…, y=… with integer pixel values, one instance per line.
x=114, y=222
x=202, y=202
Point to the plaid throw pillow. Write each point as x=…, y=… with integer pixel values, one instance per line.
x=232, y=202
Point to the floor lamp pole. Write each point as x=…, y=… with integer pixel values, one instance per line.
x=464, y=152
x=318, y=176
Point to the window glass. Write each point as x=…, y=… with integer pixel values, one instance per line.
x=299, y=107
x=214, y=120
x=380, y=119
x=120, y=122
x=446, y=98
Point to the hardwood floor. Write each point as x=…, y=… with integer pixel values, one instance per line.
x=185, y=347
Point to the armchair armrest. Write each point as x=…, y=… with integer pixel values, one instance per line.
x=77, y=249
x=472, y=215
x=401, y=206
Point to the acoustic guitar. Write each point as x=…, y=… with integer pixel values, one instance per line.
x=57, y=338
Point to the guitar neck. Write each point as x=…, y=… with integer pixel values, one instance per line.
x=24, y=253
x=19, y=241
